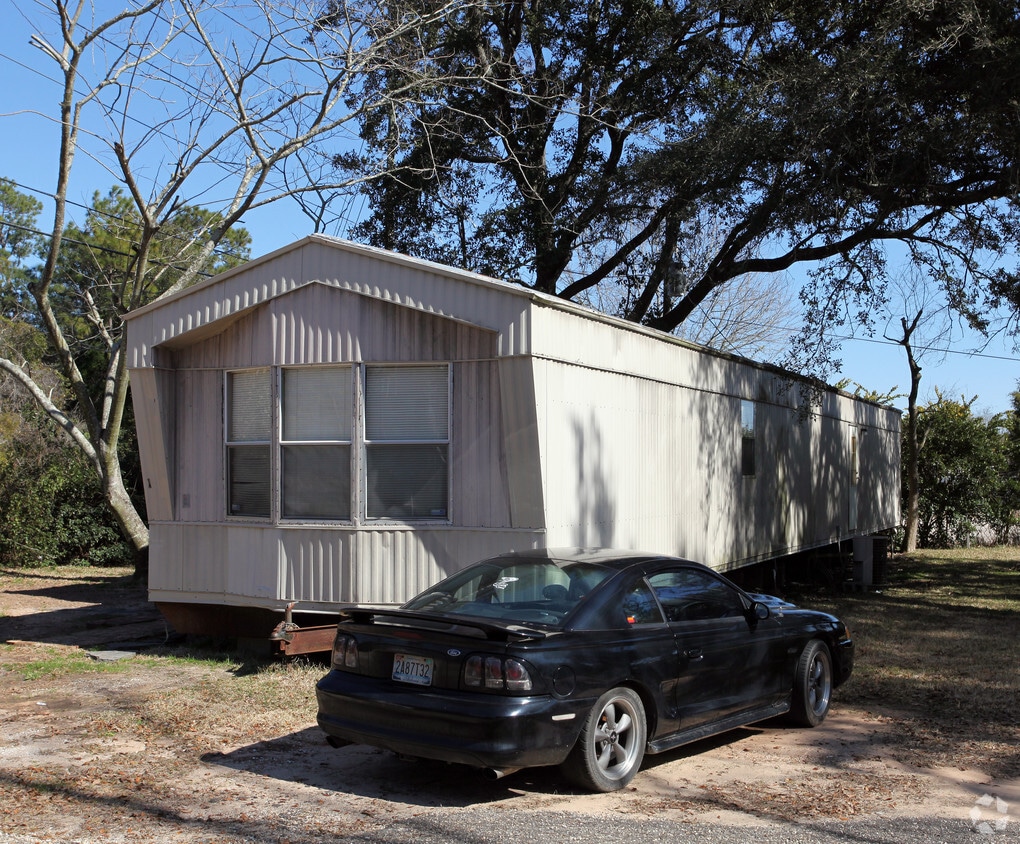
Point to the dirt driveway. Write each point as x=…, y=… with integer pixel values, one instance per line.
x=167, y=750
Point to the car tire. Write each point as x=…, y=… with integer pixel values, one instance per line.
x=611, y=746
x=812, y=685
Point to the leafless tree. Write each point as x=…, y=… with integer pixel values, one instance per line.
x=926, y=330
x=221, y=105
x=753, y=316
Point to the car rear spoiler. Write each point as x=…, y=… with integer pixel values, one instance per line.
x=491, y=628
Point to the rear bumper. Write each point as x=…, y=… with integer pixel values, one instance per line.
x=482, y=730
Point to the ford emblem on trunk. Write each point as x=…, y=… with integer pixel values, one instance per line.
x=453, y=652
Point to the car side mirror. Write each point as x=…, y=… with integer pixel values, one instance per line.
x=760, y=610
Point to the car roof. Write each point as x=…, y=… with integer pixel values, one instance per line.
x=609, y=557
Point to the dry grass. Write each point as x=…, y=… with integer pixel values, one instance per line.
x=936, y=651
x=237, y=704
x=936, y=654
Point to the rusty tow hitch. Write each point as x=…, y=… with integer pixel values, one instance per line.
x=290, y=639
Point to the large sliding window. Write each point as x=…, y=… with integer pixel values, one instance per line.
x=407, y=437
x=353, y=443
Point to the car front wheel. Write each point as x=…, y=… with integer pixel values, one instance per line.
x=812, y=685
x=611, y=746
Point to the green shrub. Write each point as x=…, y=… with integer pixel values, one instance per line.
x=52, y=512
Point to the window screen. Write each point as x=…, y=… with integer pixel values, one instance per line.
x=249, y=434
x=316, y=482
x=407, y=441
x=250, y=406
x=407, y=403
x=315, y=453
x=317, y=404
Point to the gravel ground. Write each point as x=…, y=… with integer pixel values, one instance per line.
x=117, y=757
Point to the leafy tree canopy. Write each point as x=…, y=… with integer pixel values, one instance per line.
x=19, y=243
x=565, y=145
x=961, y=473
x=98, y=278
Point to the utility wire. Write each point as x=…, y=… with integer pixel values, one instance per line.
x=97, y=248
x=91, y=210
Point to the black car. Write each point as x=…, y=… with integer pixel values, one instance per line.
x=584, y=659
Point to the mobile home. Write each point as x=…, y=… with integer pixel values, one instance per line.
x=333, y=423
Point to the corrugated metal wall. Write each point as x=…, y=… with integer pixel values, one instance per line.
x=205, y=309
x=567, y=429
x=271, y=564
x=641, y=447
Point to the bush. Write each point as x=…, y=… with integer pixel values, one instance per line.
x=52, y=511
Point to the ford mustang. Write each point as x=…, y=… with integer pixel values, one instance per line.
x=584, y=659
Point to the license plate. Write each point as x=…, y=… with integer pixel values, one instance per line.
x=412, y=669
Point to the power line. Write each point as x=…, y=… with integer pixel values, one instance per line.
x=886, y=342
x=91, y=210
x=97, y=248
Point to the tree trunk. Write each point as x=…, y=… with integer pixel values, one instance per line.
x=912, y=456
x=131, y=523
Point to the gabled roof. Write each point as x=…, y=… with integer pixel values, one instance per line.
x=527, y=322
x=410, y=282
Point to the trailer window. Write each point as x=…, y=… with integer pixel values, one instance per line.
x=747, y=432
x=315, y=442
x=249, y=431
x=407, y=437
x=331, y=425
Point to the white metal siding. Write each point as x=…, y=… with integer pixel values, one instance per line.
x=263, y=566
x=636, y=463
x=479, y=483
x=375, y=274
x=152, y=398
x=569, y=428
x=200, y=493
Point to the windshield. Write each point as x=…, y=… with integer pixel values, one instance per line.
x=513, y=590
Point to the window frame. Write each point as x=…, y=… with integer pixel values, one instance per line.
x=365, y=444
x=748, y=438
x=231, y=444
x=282, y=444
x=357, y=443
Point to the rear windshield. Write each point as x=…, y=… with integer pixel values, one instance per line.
x=515, y=591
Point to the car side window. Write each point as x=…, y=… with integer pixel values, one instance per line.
x=693, y=595
x=640, y=607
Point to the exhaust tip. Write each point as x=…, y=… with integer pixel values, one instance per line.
x=498, y=773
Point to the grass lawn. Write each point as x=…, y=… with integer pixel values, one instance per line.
x=937, y=651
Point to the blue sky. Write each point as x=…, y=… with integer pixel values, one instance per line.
x=28, y=146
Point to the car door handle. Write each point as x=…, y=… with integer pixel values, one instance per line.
x=694, y=654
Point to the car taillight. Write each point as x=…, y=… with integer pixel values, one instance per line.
x=345, y=652
x=517, y=677
x=496, y=673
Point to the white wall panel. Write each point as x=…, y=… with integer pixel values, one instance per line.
x=200, y=487
x=153, y=401
x=569, y=428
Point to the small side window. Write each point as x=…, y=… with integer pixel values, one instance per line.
x=747, y=430
x=249, y=432
x=640, y=606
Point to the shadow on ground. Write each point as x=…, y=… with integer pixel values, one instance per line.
x=99, y=612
